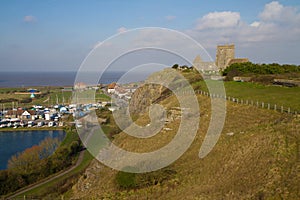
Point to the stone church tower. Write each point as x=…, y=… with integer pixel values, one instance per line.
x=225, y=53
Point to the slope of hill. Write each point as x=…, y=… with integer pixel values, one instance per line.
x=256, y=157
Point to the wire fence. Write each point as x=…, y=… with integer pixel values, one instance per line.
x=258, y=104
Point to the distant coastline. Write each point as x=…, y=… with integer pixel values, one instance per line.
x=31, y=79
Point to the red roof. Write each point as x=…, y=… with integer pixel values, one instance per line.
x=111, y=86
x=20, y=112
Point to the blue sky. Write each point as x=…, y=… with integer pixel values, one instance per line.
x=53, y=35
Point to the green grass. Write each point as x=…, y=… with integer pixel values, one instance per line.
x=281, y=96
x=69, y=138
x=102, y=97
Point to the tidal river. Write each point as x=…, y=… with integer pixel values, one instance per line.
x=12, y=142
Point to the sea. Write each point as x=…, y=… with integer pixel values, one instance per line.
x=13, y=142
x=30, y=79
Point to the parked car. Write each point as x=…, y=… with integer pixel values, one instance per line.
x=23, y=123
x=40, y=124
x=31, y=123
x=50, y=124
x=3, y=124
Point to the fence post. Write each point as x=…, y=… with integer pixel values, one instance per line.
x=275, y=107
x=289, y=110
x=268, y=106
x=281, y=109
x=257, y=104
x=242, y=101
x=262, y=104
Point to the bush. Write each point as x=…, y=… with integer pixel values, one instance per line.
x=126, y=180
x=74, y=147
x=232, y=73
x=175, y=66
x=252, y=68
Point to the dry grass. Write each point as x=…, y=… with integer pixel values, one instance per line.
x=260, y=161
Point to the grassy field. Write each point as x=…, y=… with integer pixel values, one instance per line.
x=281, y=96
x=53, y=95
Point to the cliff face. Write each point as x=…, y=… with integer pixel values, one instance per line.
x=158, y=87
x=145, y=95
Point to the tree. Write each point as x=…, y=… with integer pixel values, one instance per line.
x=175, y=66
x=48, y=146
x=26, y=162
x=74, y=147
x=29, y=161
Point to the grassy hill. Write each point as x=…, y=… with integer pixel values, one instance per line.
x=256, y=157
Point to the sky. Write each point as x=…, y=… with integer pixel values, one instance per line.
x=57, y=35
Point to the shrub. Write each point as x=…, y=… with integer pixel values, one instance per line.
x=126, y=180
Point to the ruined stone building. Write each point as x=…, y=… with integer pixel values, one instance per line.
x=225, y=56
x=200, y=65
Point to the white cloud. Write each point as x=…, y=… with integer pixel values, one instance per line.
x=275, y=12
x=29, y=19
x=255, y=24
x=276, y=22
x=272, y=11
x=215, y=20
x=122, y=30
x=277, y=26
x=170, y=17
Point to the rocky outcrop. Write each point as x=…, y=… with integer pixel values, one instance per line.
x=145, y=96
x=156, y=88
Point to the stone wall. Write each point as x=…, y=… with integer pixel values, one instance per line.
x=224, y=54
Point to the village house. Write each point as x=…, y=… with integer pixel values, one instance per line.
x=21, y=114
x=111, y=88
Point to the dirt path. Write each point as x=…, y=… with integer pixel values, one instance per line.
x=80, y=158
